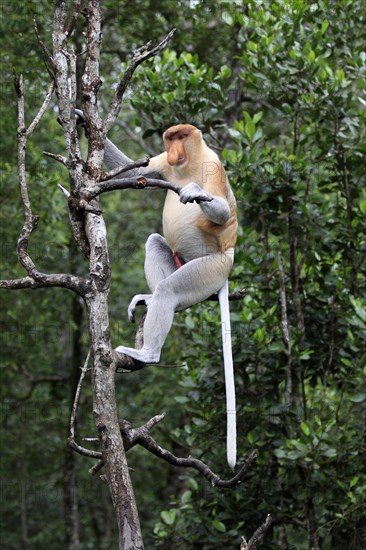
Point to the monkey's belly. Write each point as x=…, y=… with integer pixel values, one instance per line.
x=182, y=234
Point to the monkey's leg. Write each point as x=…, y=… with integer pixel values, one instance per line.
x=159, y=264
x=192, y=283
x=159, y=261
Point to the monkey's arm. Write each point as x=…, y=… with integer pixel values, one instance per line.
x=216, y=210
x=114, y=157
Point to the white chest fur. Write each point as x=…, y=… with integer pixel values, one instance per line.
x=179, y=225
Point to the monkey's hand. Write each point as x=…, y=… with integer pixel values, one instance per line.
x=192, y=192
x=215, y=208
x=80, y=120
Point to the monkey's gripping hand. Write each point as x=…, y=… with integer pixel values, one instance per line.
x=80, y=120
x=192, y=192
x=215, y=208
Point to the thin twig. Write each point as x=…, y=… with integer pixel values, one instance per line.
x=146, y=441
x=75, y=12
x=139, y=57
x=44, y=48
x=75, y=405
x=121, y=169
x=57, y=157
x=43, y=108
x=258, y=536
x=71, y=439
x=35, y=278
x=22, y=142
x=83, y=451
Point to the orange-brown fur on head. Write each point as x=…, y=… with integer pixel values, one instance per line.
x=180, y=141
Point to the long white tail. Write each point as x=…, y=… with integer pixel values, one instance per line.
x=229, y=374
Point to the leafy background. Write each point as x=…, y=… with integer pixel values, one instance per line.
x=278, y=88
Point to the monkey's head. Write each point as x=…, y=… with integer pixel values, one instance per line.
x=181, y=142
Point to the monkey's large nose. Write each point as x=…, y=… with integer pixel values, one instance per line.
x=176, y=155
x=173, y=156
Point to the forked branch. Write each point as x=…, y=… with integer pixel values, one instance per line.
x=141, y=436
x=140, y=55
x=35, y=278
x=258, y=536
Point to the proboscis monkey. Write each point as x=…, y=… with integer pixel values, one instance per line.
x=193, y=259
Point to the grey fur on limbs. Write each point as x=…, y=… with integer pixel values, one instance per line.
x=173, y=289
x=201, y=276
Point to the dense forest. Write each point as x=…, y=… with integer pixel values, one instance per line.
x=278, y=90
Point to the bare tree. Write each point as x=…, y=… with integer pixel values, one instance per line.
x=87, y=182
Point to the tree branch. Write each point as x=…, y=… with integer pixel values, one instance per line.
x=233, y=296
x=71, y=440
x=141, y=55
x=121, y=169
x=59, y=158
x=123, y=362
x=141, y=436
x=258, y=536
x=35, y=278
x=43, y=108
x=74, y=15
x=139, y=182
x=75, y=405
x=44, y=48
x=285, y=332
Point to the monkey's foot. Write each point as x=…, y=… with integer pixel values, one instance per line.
x=142, y=355
x=138, y=300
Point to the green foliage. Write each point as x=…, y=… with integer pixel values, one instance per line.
x=198, y=92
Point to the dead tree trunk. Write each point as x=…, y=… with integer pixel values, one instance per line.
x=87, y=182
x=92, y=237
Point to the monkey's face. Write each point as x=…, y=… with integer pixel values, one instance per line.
x=180, y=142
